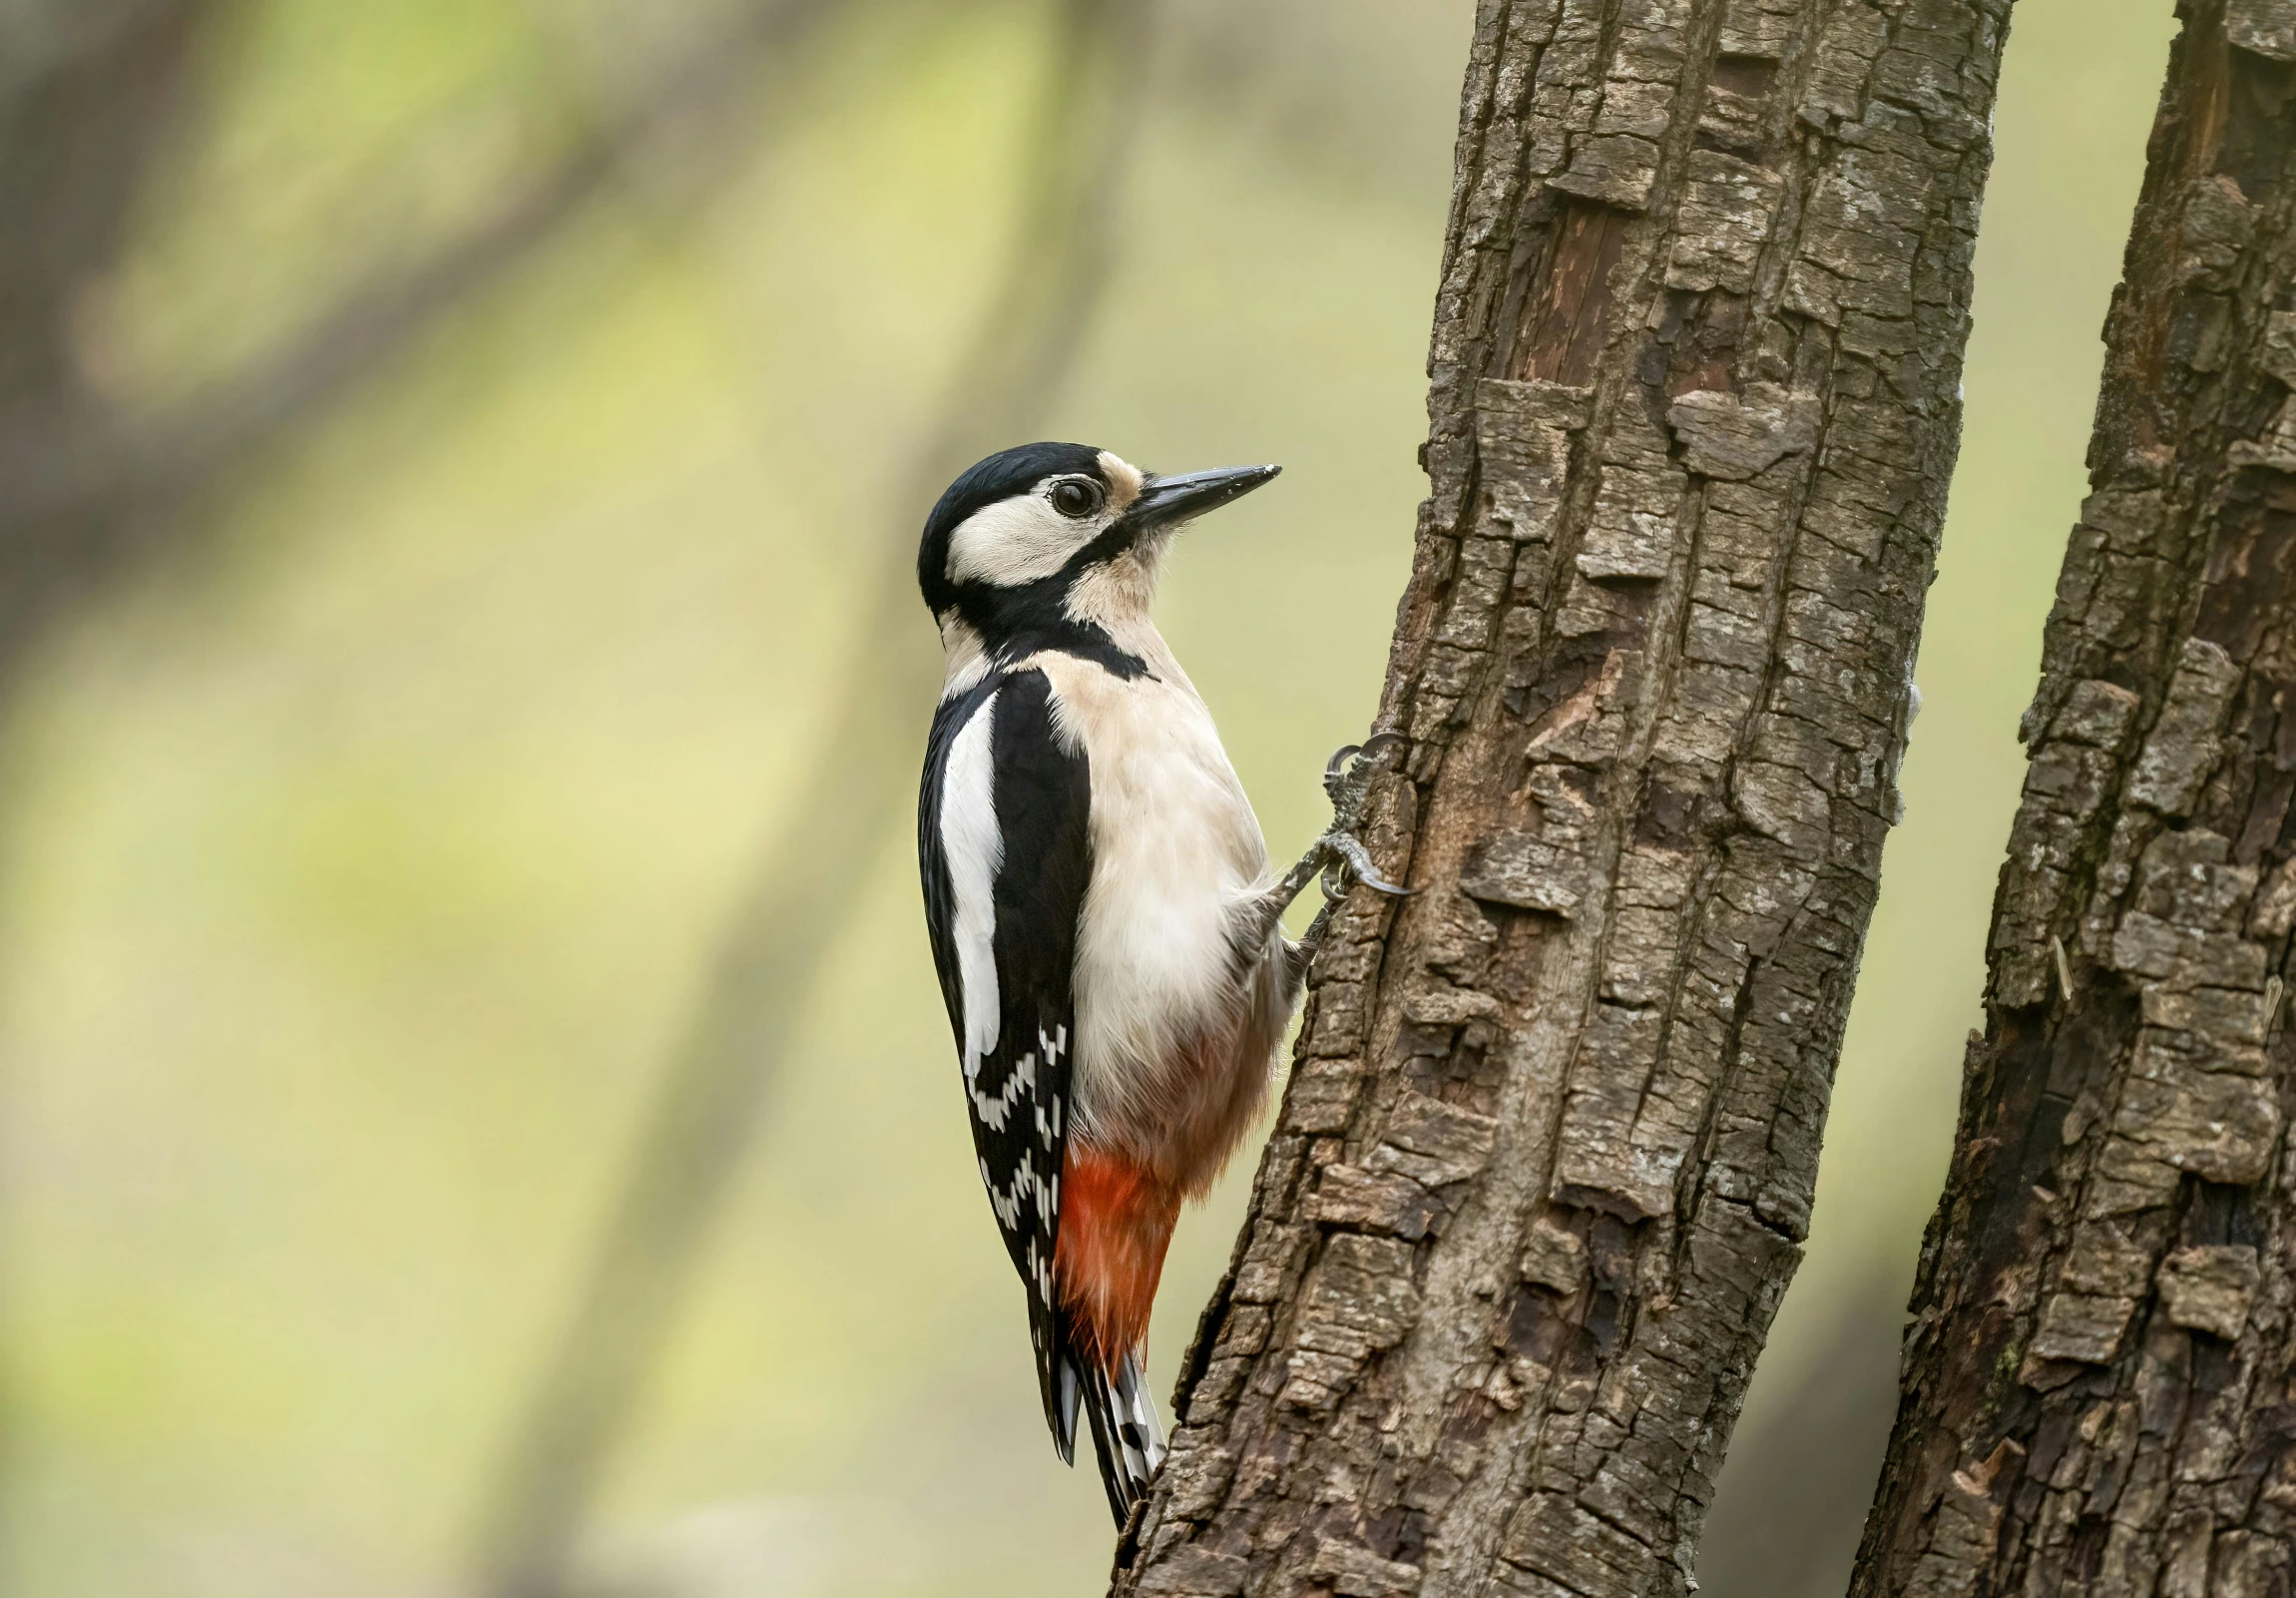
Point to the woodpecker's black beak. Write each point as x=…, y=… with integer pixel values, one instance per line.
x=1168, y=501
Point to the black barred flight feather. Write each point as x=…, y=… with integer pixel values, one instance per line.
x=1004, y=844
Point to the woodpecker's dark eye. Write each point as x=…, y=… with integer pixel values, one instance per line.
x=1077, y=497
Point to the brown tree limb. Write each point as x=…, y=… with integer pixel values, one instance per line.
x=2096, y=1394
x=83, y=114
x=83, y=485
x=45, y=40
x=706, y=1107
x=1543, y=1165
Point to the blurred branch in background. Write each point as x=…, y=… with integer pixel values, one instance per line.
x=81, y=481
x=43, y=44
x=94, y=100
x=706, y=1107
x=91, y=101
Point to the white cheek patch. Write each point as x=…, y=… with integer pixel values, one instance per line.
x=1016, y=541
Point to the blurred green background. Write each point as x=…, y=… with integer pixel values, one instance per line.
x=373, y=813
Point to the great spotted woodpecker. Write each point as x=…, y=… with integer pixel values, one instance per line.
x=1103, y=918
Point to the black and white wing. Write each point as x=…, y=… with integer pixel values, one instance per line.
x=1003, y=839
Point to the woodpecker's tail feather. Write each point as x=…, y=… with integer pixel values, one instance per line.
x=1126, y=1434
x=1065, y=1394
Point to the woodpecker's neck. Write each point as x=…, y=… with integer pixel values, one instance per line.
x=1100, y=614
x=1113, y=595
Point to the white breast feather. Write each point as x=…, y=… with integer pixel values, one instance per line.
x=974, y=849
x=1176, y=847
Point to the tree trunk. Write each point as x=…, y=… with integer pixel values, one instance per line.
x=2096, y=1394
x=1544, y=1163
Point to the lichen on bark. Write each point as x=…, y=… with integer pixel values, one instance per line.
x=1545, y=1162
x=2096, y=1394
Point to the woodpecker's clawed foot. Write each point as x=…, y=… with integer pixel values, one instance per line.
x=1337, y=855
x=1347, y=780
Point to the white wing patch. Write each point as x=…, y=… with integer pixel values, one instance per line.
x=975, y=850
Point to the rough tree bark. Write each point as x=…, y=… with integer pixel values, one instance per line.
x=2098, y=1391
x=1543, y=1165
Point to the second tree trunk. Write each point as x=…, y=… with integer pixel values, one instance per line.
x=2099, y=1394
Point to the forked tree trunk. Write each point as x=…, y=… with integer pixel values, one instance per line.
x=1545, y=1164
x=2099, y=1394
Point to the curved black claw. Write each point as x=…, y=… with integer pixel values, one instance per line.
x=1357, y=860
x=1347, y=775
